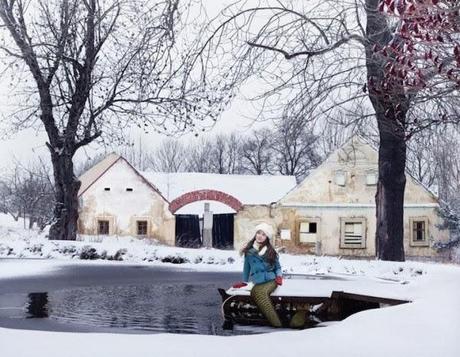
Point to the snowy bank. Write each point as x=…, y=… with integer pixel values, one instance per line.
x=429, y=326
x=24, y=244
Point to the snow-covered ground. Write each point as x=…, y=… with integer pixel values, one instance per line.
x=429, y=326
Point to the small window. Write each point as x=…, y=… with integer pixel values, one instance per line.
x=102, y=227
x=371, y=178
x=129, y=189
x=353, y=233
x=308, y=232
x=141, y=228
x=106, y=188
x=340, y=178
x=285, y=234
x=419, y=232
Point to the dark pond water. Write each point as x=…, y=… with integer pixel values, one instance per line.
x=173, y=308
x=119, y=299
x=131, y=299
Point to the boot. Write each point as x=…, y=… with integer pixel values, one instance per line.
x=298, y=320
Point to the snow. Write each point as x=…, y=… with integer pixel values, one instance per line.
x=356, y=205
x=248, y=189
x=429, y=326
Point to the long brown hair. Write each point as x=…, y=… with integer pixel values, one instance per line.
x=270, y=254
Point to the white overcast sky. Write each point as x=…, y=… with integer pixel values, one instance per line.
x=27, y=144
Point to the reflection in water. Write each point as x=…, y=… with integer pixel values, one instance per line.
x=37, y=305
x=178, y=308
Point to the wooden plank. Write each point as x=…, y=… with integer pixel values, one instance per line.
x=366, y=298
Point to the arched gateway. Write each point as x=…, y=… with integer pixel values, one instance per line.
x=216, y=229
x=205, y=195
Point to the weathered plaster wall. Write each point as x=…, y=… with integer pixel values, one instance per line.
x=356, y=160
x=245, y=221
x=329, y=229
x=123, y=208
x=320, y=198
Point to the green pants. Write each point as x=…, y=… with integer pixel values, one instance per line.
x=260, y=293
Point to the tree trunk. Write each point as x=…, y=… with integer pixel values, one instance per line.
x=31, y=222
x=66, y=194
x=391, y=106
x=389, y=199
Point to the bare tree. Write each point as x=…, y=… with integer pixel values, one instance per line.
x=90, y=67
x=235, y=159
x=317, y=58
x=137, y=154
x=257, y=153
x=446, y=160
x=433, y=158
x=198, y=158
x=294, y=146
x=420, y=159
x=225, y=155
x=218, y=154
x=28, y=192
x=170, y=156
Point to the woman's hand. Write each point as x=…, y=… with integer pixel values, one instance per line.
x=238, y=285
x=279, y=280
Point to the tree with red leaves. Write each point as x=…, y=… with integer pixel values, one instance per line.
x=397, y=59
x=424, y=53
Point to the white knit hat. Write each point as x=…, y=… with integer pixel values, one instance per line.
x=266, y=228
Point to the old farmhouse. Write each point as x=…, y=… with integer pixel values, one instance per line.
x=116, y=199
x=332, y=212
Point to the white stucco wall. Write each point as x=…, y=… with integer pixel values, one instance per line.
x=122, y=208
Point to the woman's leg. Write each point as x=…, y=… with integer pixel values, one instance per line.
x=260, y=293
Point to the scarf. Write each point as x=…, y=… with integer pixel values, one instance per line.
x=256, y=246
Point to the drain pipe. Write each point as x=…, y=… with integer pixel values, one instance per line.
x=270, y=207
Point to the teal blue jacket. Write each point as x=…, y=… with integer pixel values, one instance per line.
x=258, y=270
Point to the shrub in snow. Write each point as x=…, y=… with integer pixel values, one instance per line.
x=119, y=254
x=103, y=255
x=174, y=259
x=5, y=250
x=88, y=253
x=415, y=272
x=68, y=250
x=230, y=260
x=35, y=248
x=450, y=212
x=198, y=259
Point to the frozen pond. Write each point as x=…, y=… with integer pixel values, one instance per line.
x=126, y=299
x=129, y=299
x=173, y=308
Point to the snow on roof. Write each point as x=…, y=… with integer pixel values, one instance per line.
x=90, y=176
x=248, y=189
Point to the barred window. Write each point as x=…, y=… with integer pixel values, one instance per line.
x=353, y=233
x=141, y=228
x=419, y=231
x=308, y=232
x=102, y=227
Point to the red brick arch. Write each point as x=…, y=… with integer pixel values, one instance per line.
x=203, y=195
